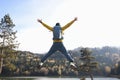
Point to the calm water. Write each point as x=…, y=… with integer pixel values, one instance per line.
x=75, y=79
x=48, y=78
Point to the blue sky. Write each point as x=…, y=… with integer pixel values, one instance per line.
x=98, y=22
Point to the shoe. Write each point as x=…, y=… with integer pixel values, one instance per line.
x=40, y=65
x=73, y=66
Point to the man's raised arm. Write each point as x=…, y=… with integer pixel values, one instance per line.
x=45, y=25
x=69, y=24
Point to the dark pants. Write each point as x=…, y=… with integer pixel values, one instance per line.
x=57, y=46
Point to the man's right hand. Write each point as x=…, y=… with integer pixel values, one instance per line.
x=39, y=20
x=75, y=18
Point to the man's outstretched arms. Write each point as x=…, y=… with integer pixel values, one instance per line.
x=69, y=24
x=45, y=25
x=63, y=28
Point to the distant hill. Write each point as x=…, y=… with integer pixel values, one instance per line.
x=26, y=62
x=108, y=55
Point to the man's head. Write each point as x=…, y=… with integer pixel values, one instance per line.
x=57, y=24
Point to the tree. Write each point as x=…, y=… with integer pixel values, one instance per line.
x=88, y=65
x=7, y=43
x=118, y=68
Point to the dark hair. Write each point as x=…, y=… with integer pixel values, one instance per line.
x=57, y=24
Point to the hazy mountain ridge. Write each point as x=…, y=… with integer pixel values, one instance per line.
x=26, y=63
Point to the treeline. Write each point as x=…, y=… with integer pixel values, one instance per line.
x=26, y=63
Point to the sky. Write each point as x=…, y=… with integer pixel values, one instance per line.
x=98, y=22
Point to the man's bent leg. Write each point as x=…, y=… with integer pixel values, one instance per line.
x=68, y=56
x=51, y=51
x=64, y=51
x=44, y=58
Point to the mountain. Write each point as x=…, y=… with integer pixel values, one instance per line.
x=27, y=62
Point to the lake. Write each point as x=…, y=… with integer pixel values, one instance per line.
x=75, y=79
x=49, y=78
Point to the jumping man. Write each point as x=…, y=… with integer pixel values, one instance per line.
x=57, y=41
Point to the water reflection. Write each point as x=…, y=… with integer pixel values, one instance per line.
x=14, y=78
x=48, y=78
